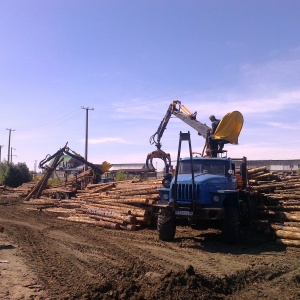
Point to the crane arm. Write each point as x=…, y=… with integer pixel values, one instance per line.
x=182, y=113
x=81, y=159
x=201, y=128
x=155, y=138
x=227, y=131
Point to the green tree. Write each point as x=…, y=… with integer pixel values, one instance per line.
x=120, y=176
x=14, y=175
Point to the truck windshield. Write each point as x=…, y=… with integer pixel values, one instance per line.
x=203, y=166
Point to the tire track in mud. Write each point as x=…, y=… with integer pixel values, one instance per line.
x=55, y=267
x=174, y=255
x=72, y=259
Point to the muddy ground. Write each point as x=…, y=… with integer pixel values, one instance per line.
x=43, y=257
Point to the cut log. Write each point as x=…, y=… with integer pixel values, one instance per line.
x=130, y=227
x=90, y=221
x=256, y=170
x=290, y=235
x=286, y=242
x=285, y=228
x=293, y=224
x=290, y=216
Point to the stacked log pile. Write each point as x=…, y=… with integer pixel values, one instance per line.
x=278, y=204
x=19, y=192
x=116, y=205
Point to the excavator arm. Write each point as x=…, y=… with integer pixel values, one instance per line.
x=181, y=112
x=227, y=131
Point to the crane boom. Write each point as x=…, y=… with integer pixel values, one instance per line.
x=198, y=126
x=227, y=131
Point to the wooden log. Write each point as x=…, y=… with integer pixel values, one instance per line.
x=287, y=234
x=121, y=219
x=79, y=220
x=100, y=211
x=101, y=188
x=269, y=186
x=144, y=220
x=290, y=216
x=287, y=242
x=136, y=192
x=285, y=228
x=99, y=218
x=87, y=220
x=293, y=224
x=130, y=200
x=130, y=227
x=111, y=208
x=264, y=176
x=126, y=209
x=67, y=211
x=256, y=170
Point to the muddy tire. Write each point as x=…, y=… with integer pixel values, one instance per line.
x=166, y=226
x=231, y=225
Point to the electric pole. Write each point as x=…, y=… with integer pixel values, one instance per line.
x=11, y=155
x=86, y=132
x=1, y=146
x=8, y=155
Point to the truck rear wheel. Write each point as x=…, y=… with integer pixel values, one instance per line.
x=231, y=225
x=166, y=226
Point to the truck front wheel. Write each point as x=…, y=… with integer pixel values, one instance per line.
x=231, y=225
x=166, y=226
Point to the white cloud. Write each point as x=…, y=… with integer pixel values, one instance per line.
x=108, y=140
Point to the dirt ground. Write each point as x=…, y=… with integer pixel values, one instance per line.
x=43, y=257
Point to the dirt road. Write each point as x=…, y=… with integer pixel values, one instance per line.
x=43, y=257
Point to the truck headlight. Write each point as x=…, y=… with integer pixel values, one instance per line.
x=216, y=198
x=165, y=196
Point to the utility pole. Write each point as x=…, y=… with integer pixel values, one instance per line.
x=11, y=149
x=86, y=132
x=1, y=146
x=8, y=155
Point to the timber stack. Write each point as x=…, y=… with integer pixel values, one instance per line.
x=116, y=205
x=278, y=201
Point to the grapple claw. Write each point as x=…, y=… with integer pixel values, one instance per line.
x=166, y=157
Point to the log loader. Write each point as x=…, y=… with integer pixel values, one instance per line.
x=54, y=160
x=204, y=187
x=227, y=131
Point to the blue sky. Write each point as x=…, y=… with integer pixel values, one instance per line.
x=128, y=59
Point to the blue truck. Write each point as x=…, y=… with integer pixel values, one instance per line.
x=209, y=186
x=202, y=189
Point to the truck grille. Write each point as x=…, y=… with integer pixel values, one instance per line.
x=184, y=192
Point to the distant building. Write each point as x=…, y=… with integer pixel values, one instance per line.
x=279, y=166
x=138, y=169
